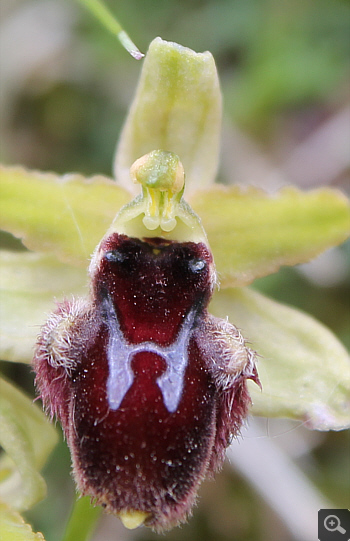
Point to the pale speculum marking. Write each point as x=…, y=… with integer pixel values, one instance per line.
x=120, y=354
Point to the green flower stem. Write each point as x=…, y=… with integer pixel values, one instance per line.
x=82, y=521
x=102, y=13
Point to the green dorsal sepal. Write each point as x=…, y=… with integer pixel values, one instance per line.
x=160, y=209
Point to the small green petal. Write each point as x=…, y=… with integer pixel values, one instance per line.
x=13, y=527
x=65, y=215
x=252, y=234
x=27, y=439
x=29, y=285
x=177, y=108
x=304, y=369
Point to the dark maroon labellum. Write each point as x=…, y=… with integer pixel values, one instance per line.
x=149, y=387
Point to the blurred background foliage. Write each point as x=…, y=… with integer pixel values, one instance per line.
x=284, y=66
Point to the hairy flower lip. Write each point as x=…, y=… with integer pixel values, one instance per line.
x=149, y=450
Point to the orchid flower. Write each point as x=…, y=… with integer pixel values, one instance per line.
x=169, y=147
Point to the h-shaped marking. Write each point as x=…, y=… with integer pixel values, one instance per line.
x=120, y=353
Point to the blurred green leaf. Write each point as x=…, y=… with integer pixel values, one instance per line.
x=29, y=285
x=13, y=527
x=177, y=108
x=67, y=215
x=252, y=234
x=27, y=439
x=296, y=56
x=304, y=369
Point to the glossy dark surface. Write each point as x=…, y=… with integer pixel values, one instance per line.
x=135, y=375
x=152, y=284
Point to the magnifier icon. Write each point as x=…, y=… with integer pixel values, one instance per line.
x=332, y=524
